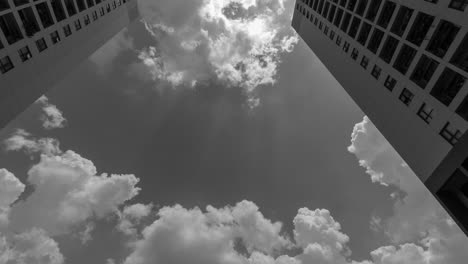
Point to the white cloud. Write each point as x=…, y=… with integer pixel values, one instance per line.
x=10, y=190
x=418, y=218
x=22, y=140
x=52, y=117
x=33, y=246
x=239, y=42
x=131, y=216
x=68, y=192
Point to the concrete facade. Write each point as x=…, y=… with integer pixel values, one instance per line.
x=405, y=64
x=41, y=41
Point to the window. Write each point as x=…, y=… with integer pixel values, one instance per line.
x=58, y=10
x=425, y=113
x=320, y=7
x=448, y=86
x=71, y=9
x=41, y=44
x=90, y=3
x=95, y=16
x=332, y=35
x=442, y=38
x=462, y=110
x=376, y=71
x=331, y=15
x=346, y=20
x=6, y=64
x=352, y=5
x=338, y=40
x=20, y=2
x=325, y=10
x=361, y=7
x=55, y=37
x=458, y=4
x=339, y=16
x=101, y=11
x=354, y=27
x=375, y=40
x=114, y=5
x=386, y=14
x=406, y=96
x=67, y=30
x=404, y=59
x=342, y=3
x=460, y=58
x=320, y=25
x=390, y=83
x=389, y=49
x=423, y=72
x=451, y=135
x=364, y=62
x=315, y=4
x=81, y=5
x=10, y=28
x=373, y=9
x=421, y=26
x=44, y=14
x=316, y=21
x=365, y=30
x=326, y=30
x=86, y=20
x=401, y=21
x=346, y=46
x=28, y=18
x=77, y=25
x=354, y=54
x=108, y=9
x=25, y=53
x=4, y=5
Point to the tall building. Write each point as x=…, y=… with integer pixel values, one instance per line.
x=43, y=40
x=405, y=64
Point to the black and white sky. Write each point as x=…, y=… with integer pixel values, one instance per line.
x=208, y=132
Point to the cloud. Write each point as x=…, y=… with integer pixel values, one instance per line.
x=418, y=217
x=22, y=140
x=33, y=246
x=52, y=117
x=68, y=192
x=10, y=190
x=131, y=216
x=237, y=41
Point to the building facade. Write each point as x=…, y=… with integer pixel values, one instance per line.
x=43, y=40
x=405, y=64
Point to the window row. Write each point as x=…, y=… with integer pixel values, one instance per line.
x=11, y=28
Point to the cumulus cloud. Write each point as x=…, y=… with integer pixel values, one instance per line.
x=237, y=41
x=33, y=246
x=430, y=234
x=10, y=190
x=68, y=192
x=51, y=117
x=131, y=216
x=22, y=140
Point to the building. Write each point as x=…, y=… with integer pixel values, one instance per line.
x=405, y=64
x=43, y=40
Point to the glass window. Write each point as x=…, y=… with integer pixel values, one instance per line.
x=450, y=134
x=401, y=21
x=375, y=40
x=90, y=3
x=346, y=20
x=343, y=3
x=81, y=5
x=458, y=4
x=462, y=110
x=77, y=25
x=58, y=10
x=41, y=44
x=442, y=38
x=44, y=14
x=421, y=26
x=346, y=46
x=448, y=86
x=389, y=49
x=332, y=35
x=325, y=10
x=376, y=71
x=425, y=113
x=364, y=34
x=404, y=59
x=25, y=53
x=338, y=40
x=364, y=62
x=354, y=54
x=354, y=27
x=339, y=16
x=361, y=7
x=373, y=9
x=460, y=58
x=423, y=72
x=352, y=5
x=10, y=28
x=406, y=96
x=320, y=7
x=4, y=5
x=331, y=15
x=67, y=30
x=390, y=83
x=86, y=20
x=20, y=2
x=386, y=14
x=28, y=18
x=5, y=64
x=71, y=9
x=95, y=16
x=55, y=37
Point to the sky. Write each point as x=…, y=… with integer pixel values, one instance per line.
x=208, y=132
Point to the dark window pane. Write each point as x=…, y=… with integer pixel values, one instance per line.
x=462, y=110
x=406, y=96
x=352, y=5
x=364, y=34
x=44, y=15
x=442, y=38
x=331, y=15
x=458, y=4
x=401, y=21
x=90, y=3
x=71, y=9
x=448, y=86
x=4, y=5
x=58, y=10
x=373, y=9
x=338, y=17
x=10, y=28
x=425, y=113
x=386, y=14
x=30, y=24
x=423, y=72
x=354, y=27
x=361, y=7
x=389, y=49
x=404, y=59
x=346, y=20
x=421, y=26
x=390, y=83
x=375, y=40
x=460, y=58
